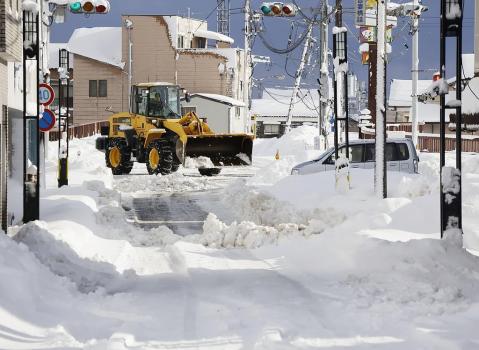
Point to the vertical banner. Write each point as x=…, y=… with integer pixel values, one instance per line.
x=360, y=12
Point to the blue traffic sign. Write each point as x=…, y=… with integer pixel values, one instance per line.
x=47, y=120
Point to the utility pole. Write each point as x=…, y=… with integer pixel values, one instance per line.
x=450, y=178
x=299, y=73
x=246, y=61
x=340, y=56
x=380, y=167
x=129, y=27
x=415, y=72
x=323, y=73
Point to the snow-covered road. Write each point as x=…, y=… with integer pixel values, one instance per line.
x=295, y=266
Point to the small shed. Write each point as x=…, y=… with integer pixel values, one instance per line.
x=224, y=114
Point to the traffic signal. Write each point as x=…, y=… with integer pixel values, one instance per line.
x=89, y=6
x=278, y=9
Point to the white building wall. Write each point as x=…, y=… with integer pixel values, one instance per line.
x=216, y=113
x=239, y=123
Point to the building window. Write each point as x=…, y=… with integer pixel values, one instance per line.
x=97, y=88
x=271, y=128
x=92, y=88
x=181, y=41
x=238, y=112
x=102, y=88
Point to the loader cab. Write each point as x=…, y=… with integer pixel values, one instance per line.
x=159, y=100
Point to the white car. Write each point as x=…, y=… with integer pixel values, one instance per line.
x=400, y=155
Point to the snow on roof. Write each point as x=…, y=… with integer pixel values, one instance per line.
x=401, y=90
x=53, y=54
x=102, y=44
x=470, y=97
x=429, y=113
x=208, y=34
x=275, y=102
x=155, y=83
x=220, y=98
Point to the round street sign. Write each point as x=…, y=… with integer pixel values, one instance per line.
x=47, y=120
x=45, y=94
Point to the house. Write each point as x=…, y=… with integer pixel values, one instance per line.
x=224, y=114
x=271, y=110
x=166, y=48
x=11, y=108
x=428, y=111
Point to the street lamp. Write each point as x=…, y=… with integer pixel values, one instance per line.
x=31, y=133
x=340, y=46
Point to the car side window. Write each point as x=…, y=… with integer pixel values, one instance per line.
x=391, y=152
x=355, y=154
x=370, y=153
x=403, y=151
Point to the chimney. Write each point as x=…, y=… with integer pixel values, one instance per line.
x=476, y=40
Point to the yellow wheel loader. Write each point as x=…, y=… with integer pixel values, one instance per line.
x=156, y=134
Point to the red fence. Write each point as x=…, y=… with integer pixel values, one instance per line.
x=433, y=144
x=80, y=131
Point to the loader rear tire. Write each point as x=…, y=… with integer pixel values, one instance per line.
x=174, y=166
x=159, y=157
x=118, y=157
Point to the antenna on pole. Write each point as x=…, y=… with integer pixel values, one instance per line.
x=223, y=17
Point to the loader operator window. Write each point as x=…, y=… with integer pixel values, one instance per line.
x=164, y=102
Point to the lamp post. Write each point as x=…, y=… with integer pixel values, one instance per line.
x=31, y=132
x=340, y=57
x=63, y=67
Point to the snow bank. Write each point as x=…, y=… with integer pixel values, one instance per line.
x=292, y=148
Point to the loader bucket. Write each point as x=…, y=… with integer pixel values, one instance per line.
x=221, y=149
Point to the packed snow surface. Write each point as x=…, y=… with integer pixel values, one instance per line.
x=301, y=266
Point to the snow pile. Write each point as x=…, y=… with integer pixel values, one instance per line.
x=292, y=148
x=175, y=182
x=85, y=162
x=245, y=234
x=198, y=162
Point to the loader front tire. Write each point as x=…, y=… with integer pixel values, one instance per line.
x=118, y=157
x=159, y=158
